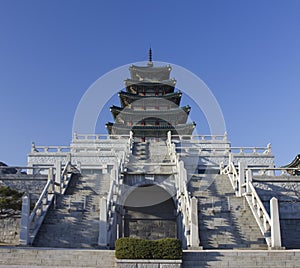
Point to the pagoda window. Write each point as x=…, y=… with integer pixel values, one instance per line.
x=157, y=123
x=143, y=123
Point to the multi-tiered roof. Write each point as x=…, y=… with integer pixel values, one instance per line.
x=150, y=105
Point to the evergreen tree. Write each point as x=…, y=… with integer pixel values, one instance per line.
x=10, y=201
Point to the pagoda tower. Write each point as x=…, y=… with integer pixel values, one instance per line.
x=150, y=105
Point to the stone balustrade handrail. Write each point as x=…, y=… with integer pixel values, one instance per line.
x=252, y=150
x=110, y=218
x=58, y=183
x=232, y=174
x=50, y=149
x=7, y=171
x=233, y=150
x=241, y=180
x=98, y=137
x=274, y=172
x=186, y=206
x=259, y=212
x=200, y=137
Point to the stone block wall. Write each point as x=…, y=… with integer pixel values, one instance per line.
x=10, y=230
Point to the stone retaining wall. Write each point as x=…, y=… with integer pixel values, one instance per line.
x=241, y=258
x=10, y=230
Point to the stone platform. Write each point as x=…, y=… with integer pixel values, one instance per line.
x=13, y=257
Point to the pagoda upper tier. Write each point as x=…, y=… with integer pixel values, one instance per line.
x=150, y=105
x=128, y=98
x=150, y=73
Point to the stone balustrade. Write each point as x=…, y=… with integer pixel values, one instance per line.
x=90, y=137
x=187, y=206
x=49, y=149
x=223, y=150
x=15, y=172
x=108, y=218
x=197, y=138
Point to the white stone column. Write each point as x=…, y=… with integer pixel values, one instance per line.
x=24, y=232
x=102, y=238
x=194, y=228
x=275, y=224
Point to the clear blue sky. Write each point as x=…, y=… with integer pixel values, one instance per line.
x=247, y=52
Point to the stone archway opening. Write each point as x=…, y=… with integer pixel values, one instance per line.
x=150, y=213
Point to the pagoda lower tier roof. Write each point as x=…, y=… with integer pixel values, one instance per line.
x=127, y=98
x=294, y=167
x=153, y=131
x=150, y=83
x=139, y=113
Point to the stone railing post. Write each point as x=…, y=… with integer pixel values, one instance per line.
x=194, y=227
x=24, y=232
x=275, y=224
x=241, y=178
x=169, y=137
x=102, y=238
x=57, y=186
x=69, y=167
x=248, y=179
x=50, y=178
x=78, y=166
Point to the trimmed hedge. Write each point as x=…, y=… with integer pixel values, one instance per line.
x=134, y=248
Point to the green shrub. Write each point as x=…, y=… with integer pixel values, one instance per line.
x=134, y=248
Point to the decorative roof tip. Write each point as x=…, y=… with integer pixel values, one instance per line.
x=150, y=63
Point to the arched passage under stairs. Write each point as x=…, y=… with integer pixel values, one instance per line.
x=149, y=213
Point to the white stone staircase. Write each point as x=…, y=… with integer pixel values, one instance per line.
x=225, y=221
x=149, y=157
x=73, y=221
